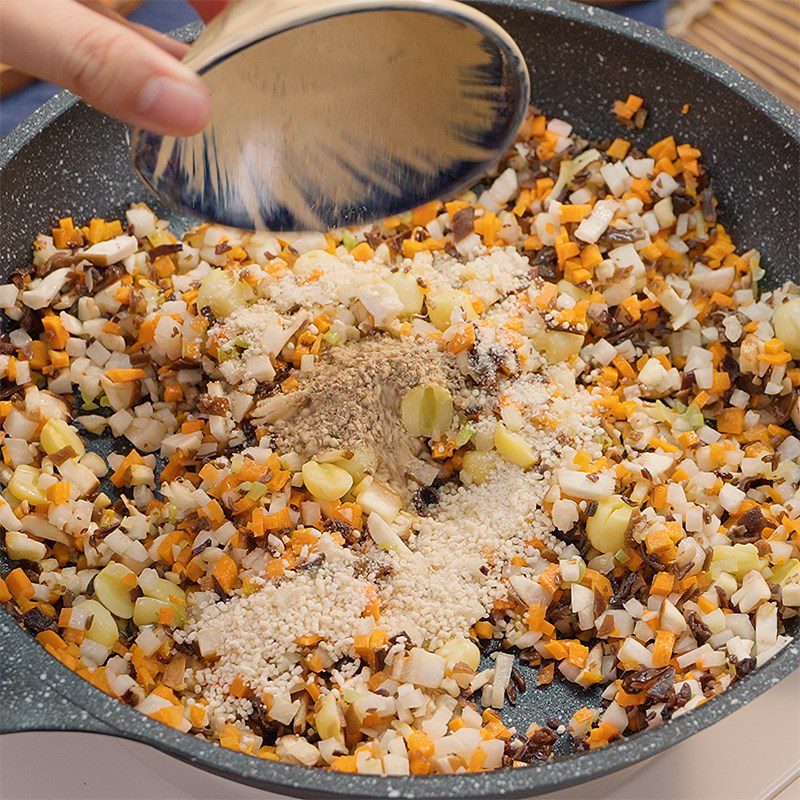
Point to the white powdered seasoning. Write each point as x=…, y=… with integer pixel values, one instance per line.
x=458, y=555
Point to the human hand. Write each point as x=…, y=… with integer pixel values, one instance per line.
x=129, y=71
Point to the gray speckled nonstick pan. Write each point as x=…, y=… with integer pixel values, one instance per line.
x=68, y=159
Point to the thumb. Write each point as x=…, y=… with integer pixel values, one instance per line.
x=109, y=65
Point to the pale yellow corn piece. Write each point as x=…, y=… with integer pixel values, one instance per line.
x=357, y=465
x=442, y=304
x=21, y=547
x=606, y=528
x=111, y=592
x=557, y=346
x=23, y=485
x=328, y=718
x=103, y=629
x=223, y=293
x=786, y=323
x=409, y=292
x=461, y=650
x=513, y=448
x=576, y=293
x=326, y=481
x=57, y=434
x=162, y=589
x=478, y=464
x=147, y=609
x=427, y=410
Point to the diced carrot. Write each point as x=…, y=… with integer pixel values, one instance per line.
x=252, y=471
x=278, y=521
x=197, y=715
x=575, y=213
x=173, y=468
x=41, y=355
x=623, y=367
x=225, y=572
x=169, y=715
x=58, y=359
x=454, y=206
x=419, y=742
x=601, y=735
x=173, y=393
x=239, y=688
x=477, y=760
x=51, y=639
x=121, y=474
x=304, y=537
x=550, y=578
x=665, y=148
x=5, y=594
x=705, y=605
x=546, y=674
x=662, y=649
x=731, y=420
x=659, y=497
x=19, y=585
x=194, y=570
x=424, y=214
x=362, y=252
x=658, y=541
x=721, y=382
x=578, y=653
x=627, y=700
x=663, y=583
x=352, y=513
x=622, y=110
x=462, y=340
x=55, y=333
x=213, y=512
x=113, y=228
x=58, y=493
x=166, y=615
x=591, y=256
x=344, y=764
x=546, y=297
x=193, y=425
x=618, y=149
x=308, y=641
x=208, y=473
x=126, y=375
x=557, y=650
x=488, y=227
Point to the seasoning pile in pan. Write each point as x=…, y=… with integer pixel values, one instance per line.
x=555, y=413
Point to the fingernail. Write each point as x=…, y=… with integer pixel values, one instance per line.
x=174, y=106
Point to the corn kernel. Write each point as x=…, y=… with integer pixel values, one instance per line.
x=326, y=481
x=427, y=411
x=112, y=592
x=57, y=434
x=513, y=448
x=606, y=528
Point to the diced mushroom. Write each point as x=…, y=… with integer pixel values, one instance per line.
x=43, y=294
x=111, y=251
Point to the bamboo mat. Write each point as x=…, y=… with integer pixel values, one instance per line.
x=760, y=38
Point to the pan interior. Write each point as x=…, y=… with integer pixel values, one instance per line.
x=78, y=164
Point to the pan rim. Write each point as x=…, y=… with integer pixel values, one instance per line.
x=105, y=714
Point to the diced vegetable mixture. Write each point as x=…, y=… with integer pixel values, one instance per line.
x=554, y=418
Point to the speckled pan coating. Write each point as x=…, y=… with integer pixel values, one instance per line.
x=69, y=158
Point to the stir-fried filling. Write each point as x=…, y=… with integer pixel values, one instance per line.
x=553, y=417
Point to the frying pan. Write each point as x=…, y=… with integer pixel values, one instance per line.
x=67, y=158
